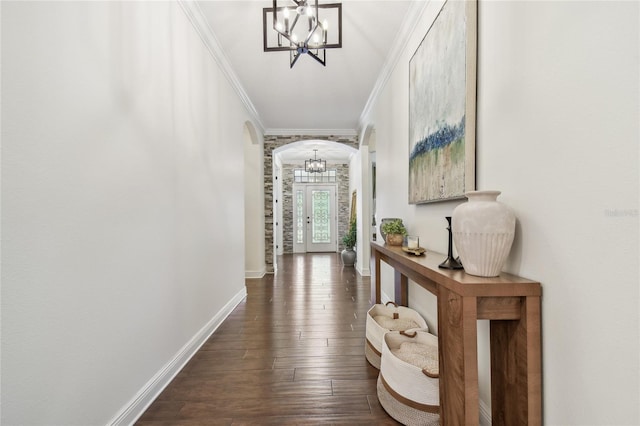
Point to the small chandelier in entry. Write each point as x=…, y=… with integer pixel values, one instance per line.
x=299, y=29
x=315, y=164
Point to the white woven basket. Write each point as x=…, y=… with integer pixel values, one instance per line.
x=408, y=393
x=375, y=332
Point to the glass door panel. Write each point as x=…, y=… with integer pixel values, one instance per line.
x=321, y=216
x=314, y=218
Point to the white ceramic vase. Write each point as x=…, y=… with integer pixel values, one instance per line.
x=483, y=231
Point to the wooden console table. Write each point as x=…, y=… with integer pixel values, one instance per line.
x=511, y=303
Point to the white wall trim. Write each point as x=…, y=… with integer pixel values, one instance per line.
x=407, y=27
x=383, y=298
x=150, y=391
x=201, y=25
x=485, y=414
x=314, y=132
x=255, y=274
x=364, y=272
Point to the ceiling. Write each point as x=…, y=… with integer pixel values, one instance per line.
x=308, y=98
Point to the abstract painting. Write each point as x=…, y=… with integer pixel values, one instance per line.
x=442, y=88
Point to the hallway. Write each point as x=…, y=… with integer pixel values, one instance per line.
x=291, y=354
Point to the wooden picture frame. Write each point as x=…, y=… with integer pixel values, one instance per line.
x=442, y=106
x=353, y=215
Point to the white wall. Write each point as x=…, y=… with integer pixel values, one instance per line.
x=360, y=179
x=557, y=132
x=355, y=184
x=122, y=209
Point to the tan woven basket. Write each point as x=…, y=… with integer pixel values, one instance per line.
x=375, y=332
x=408, y=393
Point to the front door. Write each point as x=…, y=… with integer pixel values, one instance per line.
x=314, y=218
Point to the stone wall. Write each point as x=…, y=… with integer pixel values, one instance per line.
x=272, y=142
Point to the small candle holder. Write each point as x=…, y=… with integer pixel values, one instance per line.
x=412, y=242
x=450, y=262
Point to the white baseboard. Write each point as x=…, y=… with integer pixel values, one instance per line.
x=150, y=391
x=255, y=274
x=364, y=272
x=384, y=298
x=485, y=414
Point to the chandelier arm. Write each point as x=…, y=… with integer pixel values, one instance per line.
x=275, y=14
x=317, y=58
x=313, y=30
x=293, y=24
x=288, y=37
x=294, y=58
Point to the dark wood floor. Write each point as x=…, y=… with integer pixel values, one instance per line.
x=291, y=354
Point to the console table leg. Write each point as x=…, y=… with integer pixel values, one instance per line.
x=401, y=289
x=458, y=354
x=376, y=293
x=516, y=367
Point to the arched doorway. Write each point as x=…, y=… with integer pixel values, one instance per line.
x=285, y=154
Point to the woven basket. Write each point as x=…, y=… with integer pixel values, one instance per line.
x=375, y=332
x=408, y=393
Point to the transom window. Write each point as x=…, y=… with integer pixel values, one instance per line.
x=300, y=176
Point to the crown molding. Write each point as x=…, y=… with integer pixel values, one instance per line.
x=308, y=132
x=407, y=27
x=201, y=25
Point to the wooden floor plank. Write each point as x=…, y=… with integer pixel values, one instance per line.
x=270, y=405
x=319, y=361
x=354, y=387
x=333, y=373
x=292, y=353
x=310, y=351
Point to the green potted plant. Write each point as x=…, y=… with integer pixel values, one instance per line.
x=394, y=232
x=349, y=240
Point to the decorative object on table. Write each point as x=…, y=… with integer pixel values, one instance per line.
x=319, y=28
x=394, y=231
x=409, y=381
x=450, y=262
x=483, y=231
x=416, y=252
x=412, y=245
x=442, y=103
x=348, y=255
x=413, y=242
x=385, y=220
x=382, y=319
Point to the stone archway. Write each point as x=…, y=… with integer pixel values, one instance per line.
x=272, y=142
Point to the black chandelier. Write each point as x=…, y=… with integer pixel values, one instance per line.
x=299, y=29
x=315, y=164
